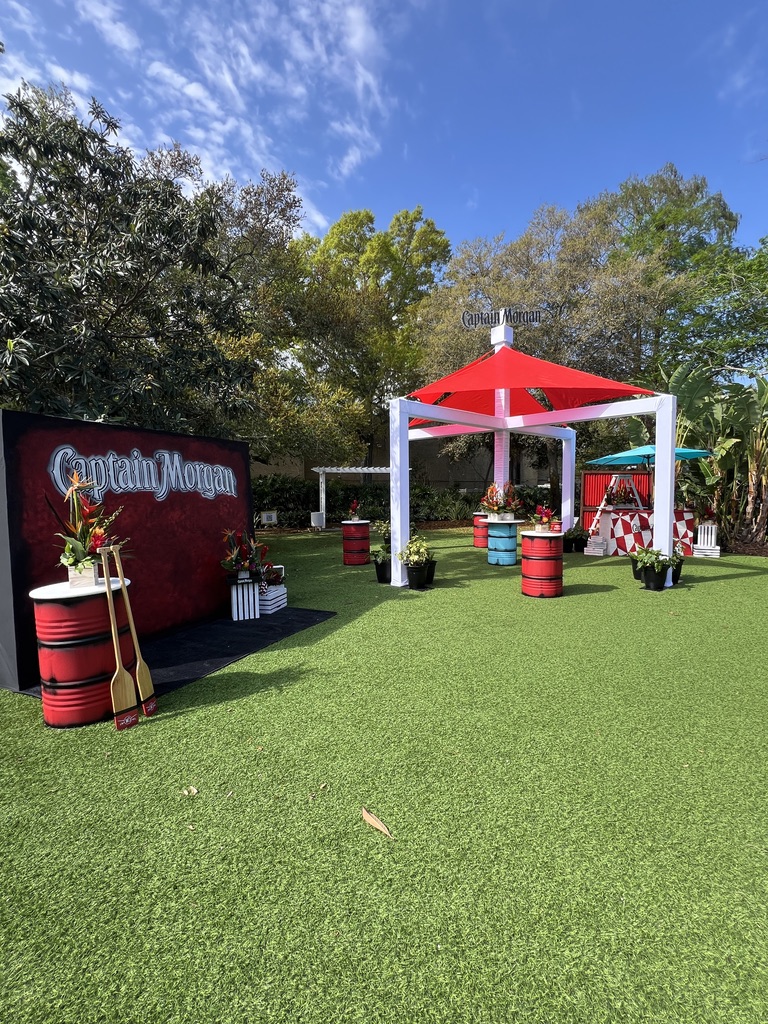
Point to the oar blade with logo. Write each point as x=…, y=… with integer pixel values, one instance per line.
x=143, y=675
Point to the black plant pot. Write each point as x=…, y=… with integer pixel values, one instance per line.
x=417, y=576
x=383, y=571
x=567, y=545
x=579, y=544
x=676, y=570
x=431, y=572
x=654, y=580
x=637, y=569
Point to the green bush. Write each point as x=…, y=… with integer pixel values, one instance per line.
x=294, y=499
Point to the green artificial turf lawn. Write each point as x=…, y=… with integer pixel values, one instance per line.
x=576, y=788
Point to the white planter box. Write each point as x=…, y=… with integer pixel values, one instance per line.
x=244, y=597
x=274, y=599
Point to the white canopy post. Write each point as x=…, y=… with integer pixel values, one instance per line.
x=399, y=486
x=664, y=477
x=501, y=336
x=569, y=479
x=568, y=436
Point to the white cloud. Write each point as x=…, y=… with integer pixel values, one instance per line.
x=177, y=87
x=72, y=79
x=14, y=68
x=20, y=17
x=104, y=16
x=363, y=145
x=745, y=82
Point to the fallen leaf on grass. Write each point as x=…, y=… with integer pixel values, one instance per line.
x=189, y=791
x=376, y=823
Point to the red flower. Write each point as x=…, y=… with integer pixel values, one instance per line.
x=98, y=540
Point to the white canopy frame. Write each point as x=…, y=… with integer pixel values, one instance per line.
x=548, y=424
x=324, y=470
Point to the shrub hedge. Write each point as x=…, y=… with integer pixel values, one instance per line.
x=294, y=499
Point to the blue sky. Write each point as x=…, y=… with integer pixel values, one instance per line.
x=480, y=112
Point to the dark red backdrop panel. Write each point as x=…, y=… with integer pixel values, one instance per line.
x=174, y=532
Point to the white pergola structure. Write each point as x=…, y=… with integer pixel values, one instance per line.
x=452, y=420
x=324, y=470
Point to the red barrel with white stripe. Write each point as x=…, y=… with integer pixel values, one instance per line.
x=542, y=564
x=480, y=532
x=356, y=541
x=76, y=654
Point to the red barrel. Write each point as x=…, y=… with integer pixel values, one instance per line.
x=542, y=564
x=356, y=541
x=77, y=658
x=480, y=536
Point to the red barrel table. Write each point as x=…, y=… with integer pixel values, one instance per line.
x=75, y=651
x=480, y=532
x=356, y=541
x=542, y=564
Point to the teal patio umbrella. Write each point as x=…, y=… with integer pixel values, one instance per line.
x=647, y=454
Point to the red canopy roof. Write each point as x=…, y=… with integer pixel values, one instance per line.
x=472, y=387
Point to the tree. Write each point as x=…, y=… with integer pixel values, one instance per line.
x=125, y=284
x=355, y=304
x=619, y=281
x=730, y=419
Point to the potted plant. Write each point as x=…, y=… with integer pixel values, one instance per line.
x=677, y=562
x=382, y=555
x=575, y=539
x=556, y=524
x=501, y=503
x=635, y=560
x=354, y=509
x=273, y=594
x=622, y=497
x=244, y=559
x=655, y=566
x=85, y=531
x=417, y=558
x=542, y=518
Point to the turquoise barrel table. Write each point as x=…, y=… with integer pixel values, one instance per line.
x=502, y=541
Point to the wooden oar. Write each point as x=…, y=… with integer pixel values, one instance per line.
x=122, y=688
x=143, y=677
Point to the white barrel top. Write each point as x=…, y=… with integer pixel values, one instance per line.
x=63, y=591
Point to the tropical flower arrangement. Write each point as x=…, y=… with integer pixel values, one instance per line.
x=501, y=499
x=246, y=554
x=620, y=495
x=543, y=514
x=87, y=528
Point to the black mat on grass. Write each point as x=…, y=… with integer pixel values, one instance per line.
x=195, y=651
